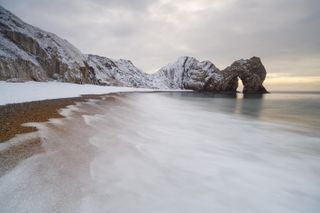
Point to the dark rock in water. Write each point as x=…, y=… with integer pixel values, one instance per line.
x=251, y=72
x=29, y=53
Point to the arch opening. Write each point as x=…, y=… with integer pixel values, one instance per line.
x=240, y=85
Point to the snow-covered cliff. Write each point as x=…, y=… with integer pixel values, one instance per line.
x=179, y=74
x=189, y=73
x=29, y=53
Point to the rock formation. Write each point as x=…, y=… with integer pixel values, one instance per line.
x=29, y=53
x=189, y=73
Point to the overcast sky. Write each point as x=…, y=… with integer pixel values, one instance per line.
x=284, y=33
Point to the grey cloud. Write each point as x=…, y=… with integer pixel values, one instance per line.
x=127, y=4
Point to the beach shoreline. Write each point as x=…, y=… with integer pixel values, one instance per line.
x=13, y=116
x=18, y=140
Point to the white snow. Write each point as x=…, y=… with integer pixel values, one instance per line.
x=35, y=91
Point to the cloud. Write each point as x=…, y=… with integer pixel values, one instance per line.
x=285, y=33
x=136, y=5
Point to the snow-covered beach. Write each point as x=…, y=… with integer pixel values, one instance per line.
x=36, y=91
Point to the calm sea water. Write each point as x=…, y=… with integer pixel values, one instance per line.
x=298, y=109
x=174, y=152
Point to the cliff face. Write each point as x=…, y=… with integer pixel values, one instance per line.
x=189, y=73
x=29, y=53
x=117, y=72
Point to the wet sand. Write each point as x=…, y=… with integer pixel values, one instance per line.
x=11, y=157
x=13, y=115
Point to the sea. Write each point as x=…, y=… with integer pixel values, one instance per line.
x=174, y=152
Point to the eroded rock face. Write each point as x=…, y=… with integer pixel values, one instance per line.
x=251, y=72
x=189, y=73
x=121, y=72
x=29, y=53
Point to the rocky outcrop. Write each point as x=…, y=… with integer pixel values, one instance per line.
x=189, y=73
x=251, y=72
x=29, y=53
